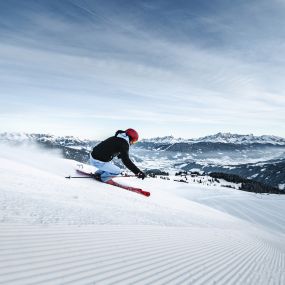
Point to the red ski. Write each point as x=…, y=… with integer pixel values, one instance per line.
x=85, y=169
x=129, y=188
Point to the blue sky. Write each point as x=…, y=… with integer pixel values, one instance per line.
x=182, y=68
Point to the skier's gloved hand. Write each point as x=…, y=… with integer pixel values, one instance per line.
x=141, y=175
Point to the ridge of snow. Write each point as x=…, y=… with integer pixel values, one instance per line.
x=222, y=138
x=79, y=231
x=216, y=138
x=165, y=140
x=242, y=139
x=33, y=137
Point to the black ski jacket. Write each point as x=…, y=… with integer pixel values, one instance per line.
x=114, y=146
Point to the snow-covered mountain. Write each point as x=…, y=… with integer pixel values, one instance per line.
x=62, y=231
x=261, y=158
x=226, y=138
x=242, y=139
x=165, y=140
x=45, y=139
x=228, y=153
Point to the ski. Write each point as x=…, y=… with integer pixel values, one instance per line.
x=129, y=188
x=90, y=173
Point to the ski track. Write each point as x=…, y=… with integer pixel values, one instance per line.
x=248, y=212
x=106, y=254
x=57, y=231
x=265, y=211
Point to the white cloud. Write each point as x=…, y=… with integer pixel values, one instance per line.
x=133, y=74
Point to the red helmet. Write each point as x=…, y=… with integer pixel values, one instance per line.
x=133, y=135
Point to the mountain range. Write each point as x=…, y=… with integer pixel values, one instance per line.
x=222, y=138
x=261, y=158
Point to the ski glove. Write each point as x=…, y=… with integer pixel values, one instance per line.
x=141, y=175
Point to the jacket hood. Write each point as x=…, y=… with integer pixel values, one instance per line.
x=123, y=135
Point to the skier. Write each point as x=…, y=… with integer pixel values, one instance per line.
x=117, y=145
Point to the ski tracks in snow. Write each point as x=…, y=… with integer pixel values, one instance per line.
x=108, y=254
x=54, y=231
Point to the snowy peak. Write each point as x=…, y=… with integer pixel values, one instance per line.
x=227, y=138
x=44, y=138
x=12, y=137
x=163, y=140
x=242, y=139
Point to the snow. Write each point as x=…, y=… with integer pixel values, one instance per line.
x=242, y=139
x=222, y=138
x=59, y=231
x=165, y=140
x=281, y=186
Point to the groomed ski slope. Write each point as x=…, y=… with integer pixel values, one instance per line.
x=59, y=231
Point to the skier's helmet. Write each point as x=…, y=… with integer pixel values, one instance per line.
x=133, y=135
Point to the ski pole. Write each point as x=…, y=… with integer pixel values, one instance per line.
x=69, y=177
x=91, y=176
